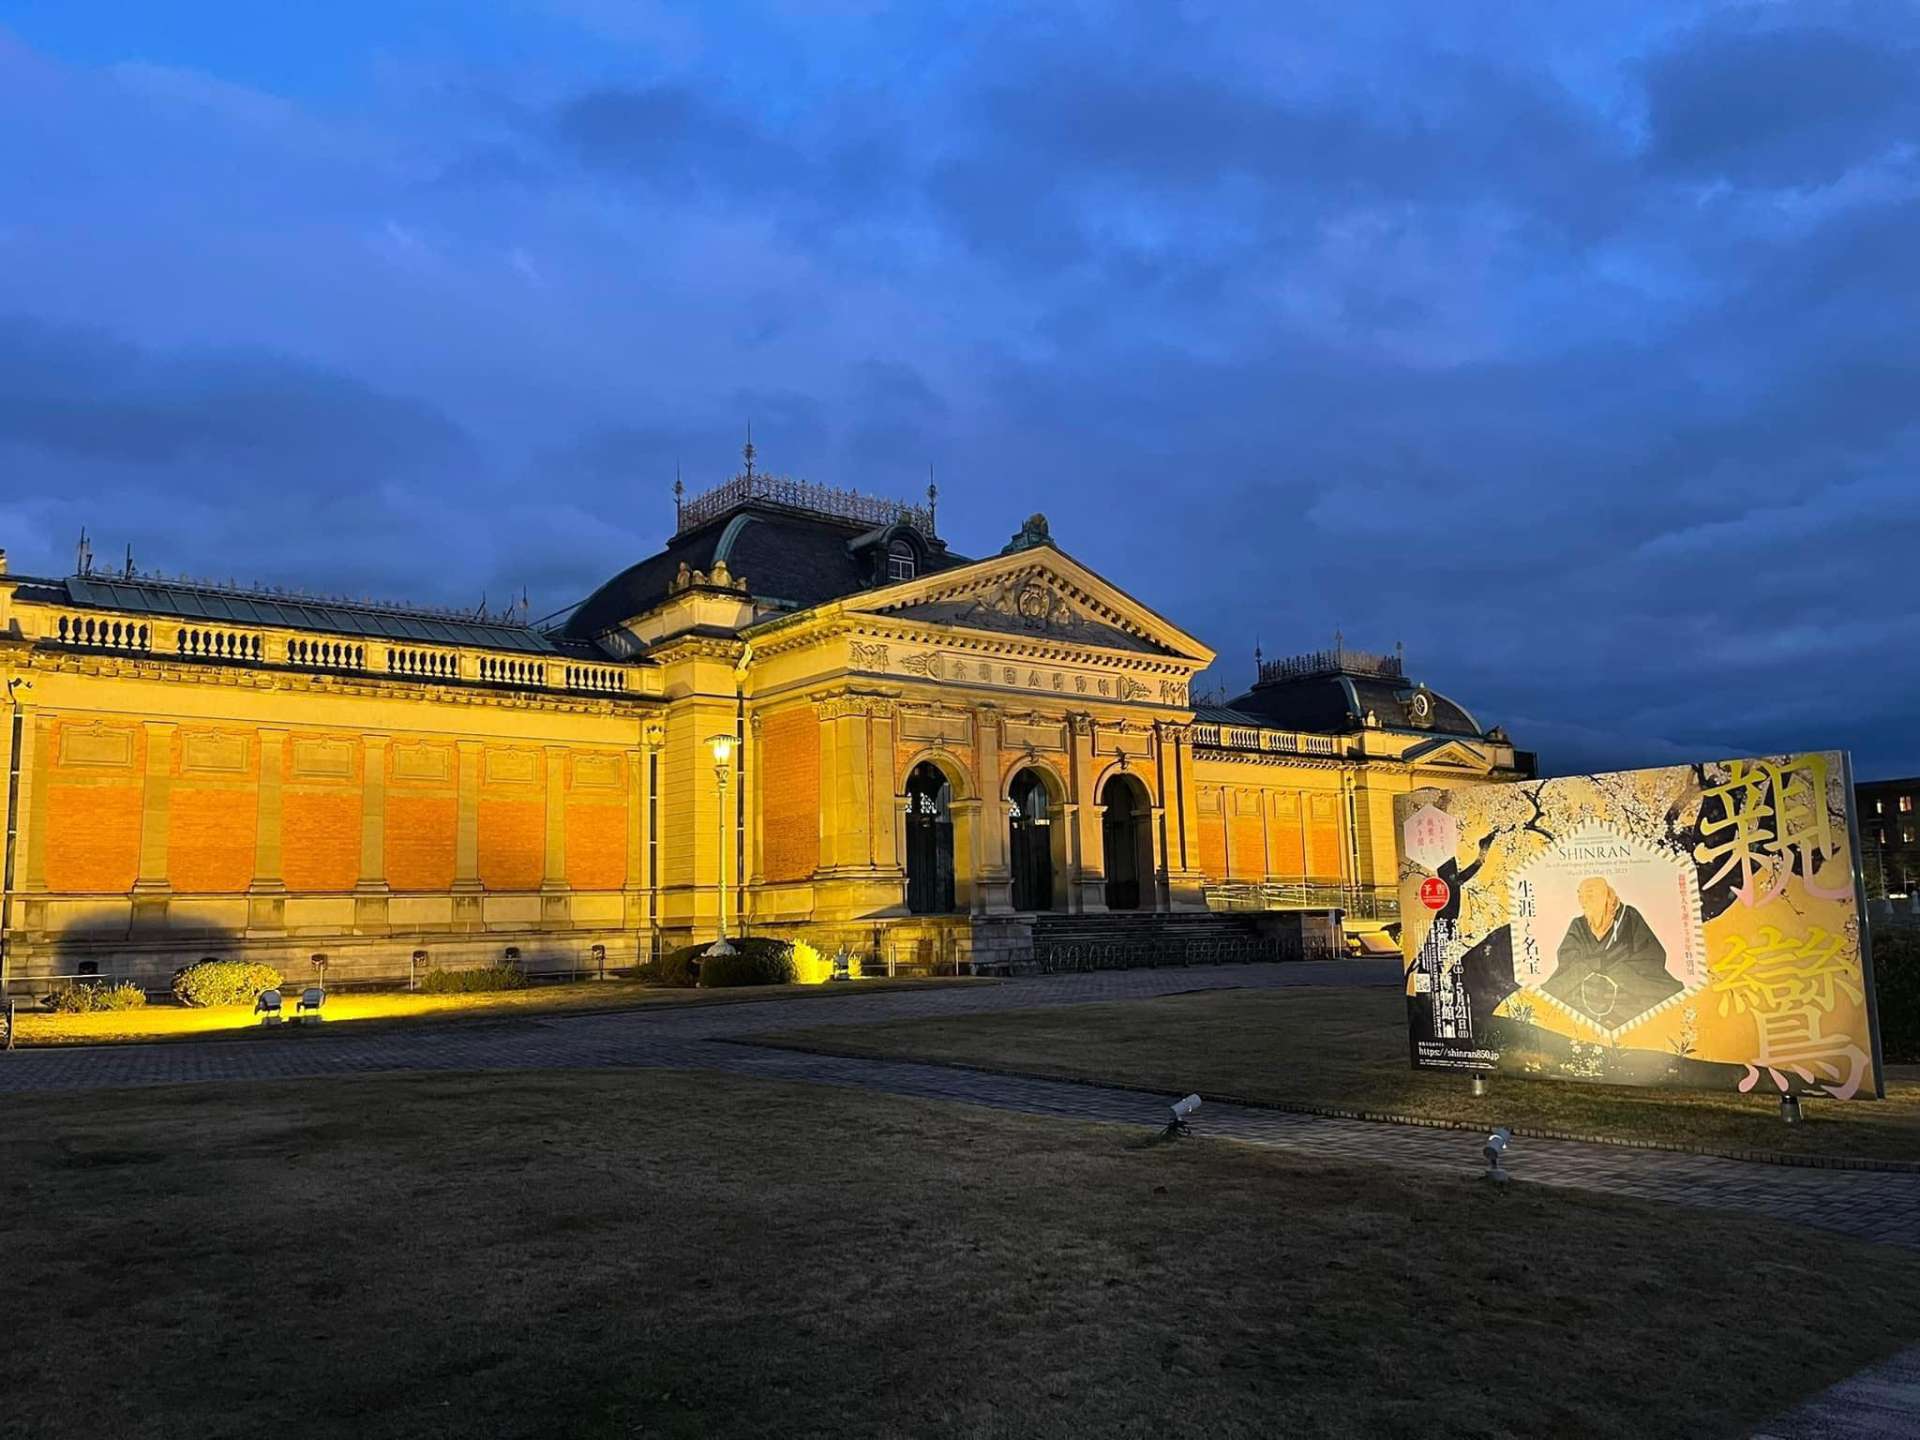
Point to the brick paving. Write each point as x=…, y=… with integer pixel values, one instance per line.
x=1867, y=1204
x=1880, y=1403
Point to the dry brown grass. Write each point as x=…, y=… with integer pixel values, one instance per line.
x=663, y=1254
x=1347, y=1049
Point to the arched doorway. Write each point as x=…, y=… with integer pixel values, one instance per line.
x=929, y=841
x=1030, y=841
x=1126, y=816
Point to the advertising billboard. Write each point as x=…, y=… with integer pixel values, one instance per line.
x=1696, y=926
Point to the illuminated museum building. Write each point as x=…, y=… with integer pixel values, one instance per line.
x=930, y=754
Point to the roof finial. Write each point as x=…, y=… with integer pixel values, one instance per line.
x=1339, y=642
x=748, y=451
x=933, y=497
x=679, y=494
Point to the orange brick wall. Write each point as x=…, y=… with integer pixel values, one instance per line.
x=1213, y=837
x=1323, y=837
x=1249, y=848
x=1289, y=843
x=421, y=831
x=596, y=841
x=790, y=793
x=210, y=836
x=320, y=838
x=93, y=821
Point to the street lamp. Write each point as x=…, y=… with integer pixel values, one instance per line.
x=722, y=747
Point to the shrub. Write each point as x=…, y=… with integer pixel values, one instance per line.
x=1896, y=984
x=466, y=982
x=80, y=997
x=223, y=982
x=680, y=967
x=754, y=962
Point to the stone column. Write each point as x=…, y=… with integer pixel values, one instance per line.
x=1088, y=887
x=556, y=903
x=30, y=834
x=467, y=890
x=634, y=891
x=267, y=895
x=886, y=843
x=370, y=891
x=151, y=890
x=1184, y=881
x=993, y=890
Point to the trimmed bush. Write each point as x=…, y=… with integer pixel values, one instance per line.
x=680, y=968
x=223, y=982
x=83, y=997
x=468, y=982
x=754, y=962
x=1896, y=984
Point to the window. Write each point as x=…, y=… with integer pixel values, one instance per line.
x=1906, y=804
x=1906, y=834
x=900, y=561
x=1879, y=807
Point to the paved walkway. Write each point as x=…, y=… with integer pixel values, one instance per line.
x=1882, y=1403
x=1866, y=1204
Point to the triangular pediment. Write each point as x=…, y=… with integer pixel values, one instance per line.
x=1448, y=754
x=1040, y=592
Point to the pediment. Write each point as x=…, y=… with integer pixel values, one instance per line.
x=1040, y=593
x=1448, y=755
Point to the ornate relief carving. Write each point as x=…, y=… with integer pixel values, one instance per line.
x=936, y=725
x=1173, y=692
x=219, y=752
x=96, y=744
x=868, y=657
x=419, y=762
x=596, y=772
x=1131, y=688
x=1035, y=605
x=510, y=767
x=926, y=663
x=321, y=759
x=836, y=707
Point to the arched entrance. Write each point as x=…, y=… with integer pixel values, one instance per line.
x=1030, y=841
x=929, y=841
x=1126, y=817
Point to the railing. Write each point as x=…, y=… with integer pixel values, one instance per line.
x=496, y=671
x=426, y=664
x=1076, y=957
x=200, y=643
x=1338, y=660
x=1270, y=742
x=1360, y=902
x=326, y=655
x=802, y=495
x=98, y=632
x=606, y=679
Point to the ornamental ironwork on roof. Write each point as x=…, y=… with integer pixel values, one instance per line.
x=1340, y=660
x=804, y=496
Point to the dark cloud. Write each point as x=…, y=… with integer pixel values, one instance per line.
x=1792, y=96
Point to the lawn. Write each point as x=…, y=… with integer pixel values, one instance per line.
x=627, y=1253
x=354, y=1012
x=1346, y=1049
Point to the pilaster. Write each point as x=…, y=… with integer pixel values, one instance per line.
x=370, y=890
x=467, y=890
x=556, y=901
x=993, y=892
x=151, y=890
x=267, y=895
x=1087, y=886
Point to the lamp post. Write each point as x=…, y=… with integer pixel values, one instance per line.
x=722, y=747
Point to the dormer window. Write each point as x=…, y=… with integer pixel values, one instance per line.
x=901, y=561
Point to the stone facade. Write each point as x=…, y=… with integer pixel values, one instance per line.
x=272, y=787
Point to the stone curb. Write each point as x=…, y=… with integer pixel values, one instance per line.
x=1330, y=1112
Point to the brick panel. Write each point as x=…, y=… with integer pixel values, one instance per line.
x=790, y=794
x=596, y=845
x=513, y=843
x=320, y=839
x=1323, y=838
x=210, y=836
x=421, y=835
x=1249, y=848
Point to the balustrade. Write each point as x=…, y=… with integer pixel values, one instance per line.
x=326, y=655
x=499, y=671
x=428, y=664
x=96, y=632
x=602, y=678
x=198, y=643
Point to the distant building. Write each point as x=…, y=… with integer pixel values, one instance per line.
x=804, y=715
x=1890, y=836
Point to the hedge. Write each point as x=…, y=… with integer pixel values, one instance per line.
x=464, y=982
x=1896, y=983
x=753, y=962
x=223, y=982
x=81, y=997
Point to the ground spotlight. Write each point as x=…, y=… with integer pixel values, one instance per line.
x=1179, y=1111
x=1495, y=1147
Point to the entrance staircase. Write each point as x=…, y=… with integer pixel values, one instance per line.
x=1129, y=940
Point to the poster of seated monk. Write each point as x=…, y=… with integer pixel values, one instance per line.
x=1612, y=966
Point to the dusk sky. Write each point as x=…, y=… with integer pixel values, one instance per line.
x=1577, y=347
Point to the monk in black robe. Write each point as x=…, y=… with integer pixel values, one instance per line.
x=1612, y=966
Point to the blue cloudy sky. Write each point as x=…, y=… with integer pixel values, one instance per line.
x=1574, y=345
